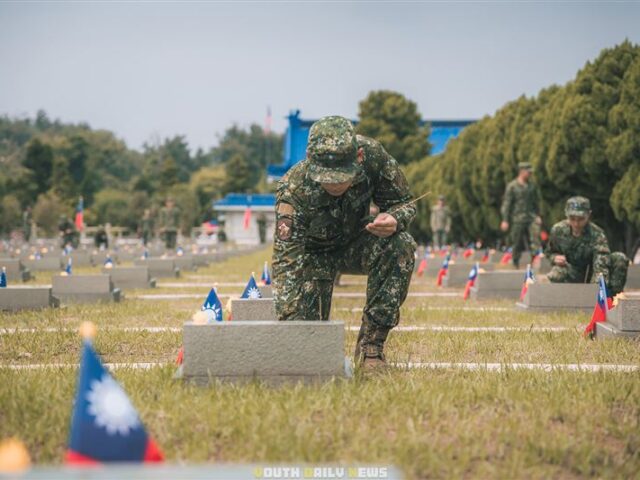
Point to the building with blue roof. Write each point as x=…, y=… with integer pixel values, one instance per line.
x=232, y=209
x=297, y=135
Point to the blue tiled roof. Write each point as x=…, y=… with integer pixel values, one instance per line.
x=243, y=200
x=295, y=141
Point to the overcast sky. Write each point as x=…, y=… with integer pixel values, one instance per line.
x=149, y=70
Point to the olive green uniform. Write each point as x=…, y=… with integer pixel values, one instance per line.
x=440, y=224
x=588, y=256
x=169, y=222
x=520, y=209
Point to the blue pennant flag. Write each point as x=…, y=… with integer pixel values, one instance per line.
x=179, y=251
x=266, y=276
x=108, y=262
x=145, y=254
x=68, y=267
x=3, y=277
x=105, y=426
x=212, y=307
x=251, y=290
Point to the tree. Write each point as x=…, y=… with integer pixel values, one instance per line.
x=238, y=173
x=394, y=121
x=9, y=214
x=208, y=184
x=39, y=160
x=47, y=211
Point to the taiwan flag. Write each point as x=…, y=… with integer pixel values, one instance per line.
x=471, y=281
x=443, y=270
x=485, y=256
x=3, y=277
x=105, y=426
x=68, y=270
x=422, y=266
x=537, y=257
x=528, y=280
x=469, y=251
x=213, y=307
x=246, y=221
x=80, y=215
x=507, y=256
x=600, y=311
x=251, y=290
x=266, y=276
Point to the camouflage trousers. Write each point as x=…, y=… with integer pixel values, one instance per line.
x=440, y=238
x=524, y=236
x=170, y=239
x=388, y=263
x=618, y=265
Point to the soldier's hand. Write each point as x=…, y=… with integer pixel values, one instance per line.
x=560, y=260
x=504, y=226
x=384, y=225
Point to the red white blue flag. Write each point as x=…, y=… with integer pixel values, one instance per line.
x=443, y=270
x=507, y=256
x=528, y=280
x=485, y=256
x=600, y=311
x=266, y=276
x=251, y=290
x=105, y=426
x=80, y=214
x=213, y=307
x=471, y=281
x=422, y=266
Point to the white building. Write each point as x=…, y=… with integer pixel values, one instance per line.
x=233, y=210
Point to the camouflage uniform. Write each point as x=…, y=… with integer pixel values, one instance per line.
x=588, y=255
x=318, y=235
x=169, y=221
x=520, y=209
x=440, y=224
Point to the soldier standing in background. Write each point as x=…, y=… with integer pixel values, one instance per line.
x=169, y=223
x=68, y=233
x=262, y=228
x=520, y=213
x=579, y=251
x=27, y=221
x=440, y=223
x=146, y=227
x=323, y=227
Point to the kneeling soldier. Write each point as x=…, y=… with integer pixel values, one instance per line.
x=323, y=227
x=579, y=251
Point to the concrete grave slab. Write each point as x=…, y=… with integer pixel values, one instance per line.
x=80, y=258
x=498, y=284
x=458, y=274
x=245, y=309
x=626, y=315
x=266, y=291
x=98, y=258
x=543, y=267
x=26, y=298
x=605, y=330
x=272, y=351
x=633, y=278
x=559, y=296
x=185, y=263
x=44, y=264
x=130, y=277
x=159, y=267
x=16, y=271
x=85, y=289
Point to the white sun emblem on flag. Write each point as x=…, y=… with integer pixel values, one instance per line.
x=212, y=312
x=253, y=293
x=111, y=407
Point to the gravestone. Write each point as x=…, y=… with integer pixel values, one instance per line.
x=272, y=351
x=498, y=284
x=98, y=258
x=84, y=288
x=266, y=291
x=622, y=321
x=159, y=267
x=26, y=298
x=80, y=258
x=185, y=263
x=200, y=260
x=130, y=277
x=633, y=278
x=16, y=271
x=249, y=309
x=44, y=264
x=458, y=274
x=559, y=296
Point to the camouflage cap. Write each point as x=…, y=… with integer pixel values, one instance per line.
x=332, y=150
x=525, y=166
x=577, y=207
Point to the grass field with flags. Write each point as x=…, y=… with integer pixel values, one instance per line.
x=478, y=389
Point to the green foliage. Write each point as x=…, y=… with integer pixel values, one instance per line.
x=10, y=214
x=238, y=173
x=47, y=211
x=582, y=138
x=394, y=120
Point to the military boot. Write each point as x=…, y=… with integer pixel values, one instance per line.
x=369, y=349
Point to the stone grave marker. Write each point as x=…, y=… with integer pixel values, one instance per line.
x=272, y=351
x=633, y=278
x=159, y=267
x=458, y=274
x=130, y=277
x=622, y=321
x=185, y=263
x=253, y=309
x=85, y=288
x=559, y=296
x=14, y=298
x=44, y=264
x=266, y=291
x=498, y=284
x=16, y=271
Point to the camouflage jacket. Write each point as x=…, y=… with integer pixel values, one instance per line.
x=309, y=221
x=169, y=219
x=440, y=218
x=589, y=250
x=520, y=203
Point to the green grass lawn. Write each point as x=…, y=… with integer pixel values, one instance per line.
x=431, y=423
